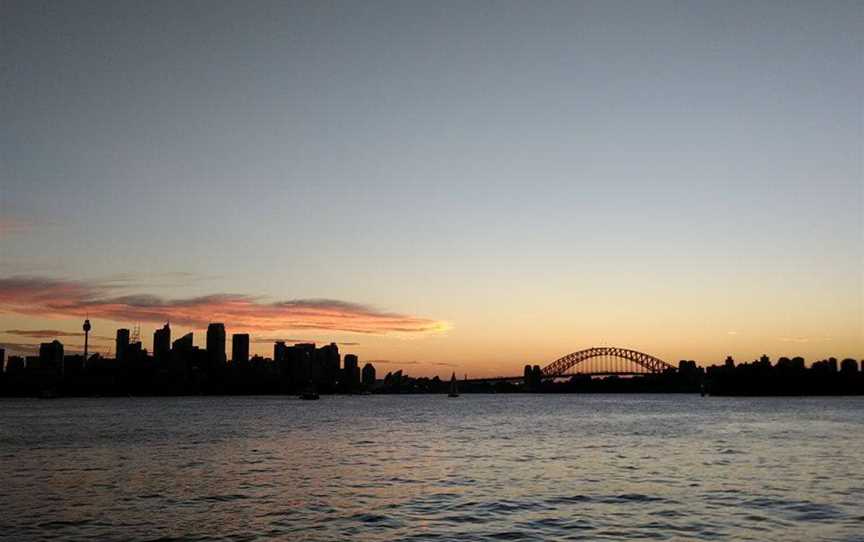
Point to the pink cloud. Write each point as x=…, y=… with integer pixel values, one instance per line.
x=35, y=296
x=9, y=225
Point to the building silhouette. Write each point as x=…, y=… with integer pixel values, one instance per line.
x=216, y=344
x=162, y=342
x=368, y=376
x=240, y=349
x=350, y=374
x=183, y=345
x=51, y=356
x=121, y=343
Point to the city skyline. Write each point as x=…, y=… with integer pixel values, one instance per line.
x=441, y=186
x=178, y=367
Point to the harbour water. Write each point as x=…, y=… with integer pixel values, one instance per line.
x=479, y=467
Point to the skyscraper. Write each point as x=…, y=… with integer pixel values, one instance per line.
x=327, y=365
x=350, y=374
x=51, y=355
x=240, y=348
x=162, y=342
x=183, y=345
x=216, y=344
x=279, y=351
x=122, y=343
x=368, y=376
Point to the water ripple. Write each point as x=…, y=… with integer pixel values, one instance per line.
x=424, y=468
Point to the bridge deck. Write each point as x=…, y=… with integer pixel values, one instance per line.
x=521, y=378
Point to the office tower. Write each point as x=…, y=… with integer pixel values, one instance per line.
x=162, y=342
x=183, y=344
x=216, y=344
x=326, y=367
x=121, y=343
x=279, y=351
x=350, y=374
x=298, y=365
x=368, y=376
x=240, y=348
x=51, y=355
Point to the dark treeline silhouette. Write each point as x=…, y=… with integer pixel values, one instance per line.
x=786, y=377
x=180, y=368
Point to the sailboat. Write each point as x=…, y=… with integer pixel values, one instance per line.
x=454, y=389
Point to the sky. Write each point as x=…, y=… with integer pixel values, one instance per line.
x=437, y=186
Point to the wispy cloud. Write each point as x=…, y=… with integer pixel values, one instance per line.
x=155, y=280
x=271, y=340
x=46, y=297
x=43, y=333
x=10, y=225
x=804, y=339
x=393, y=362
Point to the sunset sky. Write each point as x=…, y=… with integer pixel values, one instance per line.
x=437, y=185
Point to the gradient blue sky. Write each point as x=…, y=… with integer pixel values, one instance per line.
x=684, y=178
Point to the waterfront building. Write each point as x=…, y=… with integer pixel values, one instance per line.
x=121, y=343
x=216, y=344
x=368, y=376
x=162, y=342
x=240, y=348
x=51, y=355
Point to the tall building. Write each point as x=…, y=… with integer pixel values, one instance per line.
x=2, y=360
x=350, y=374
x=162, y=342
x=298, y=367
x=183, y=344
x=122, y=343
x=327, y=365
x=51, y=355
x=368, y=375
x=216, y=344
x=279, y=351
x=240, y=348
x=181, y=353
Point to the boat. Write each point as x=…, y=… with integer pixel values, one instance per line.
x=454, y=388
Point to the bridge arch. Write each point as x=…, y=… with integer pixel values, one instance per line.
x=562, y=365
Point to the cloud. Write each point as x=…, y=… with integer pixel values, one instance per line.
x=10, y=225
x=732, y=333
x=43, y=333
x=155, y=280
x=271, y=340
x=45, y=297
x=392, y=362
x=804, y=339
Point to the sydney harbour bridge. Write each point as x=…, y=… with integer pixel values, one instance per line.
x=596, y=361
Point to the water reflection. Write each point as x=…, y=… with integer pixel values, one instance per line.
x=385, y=468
